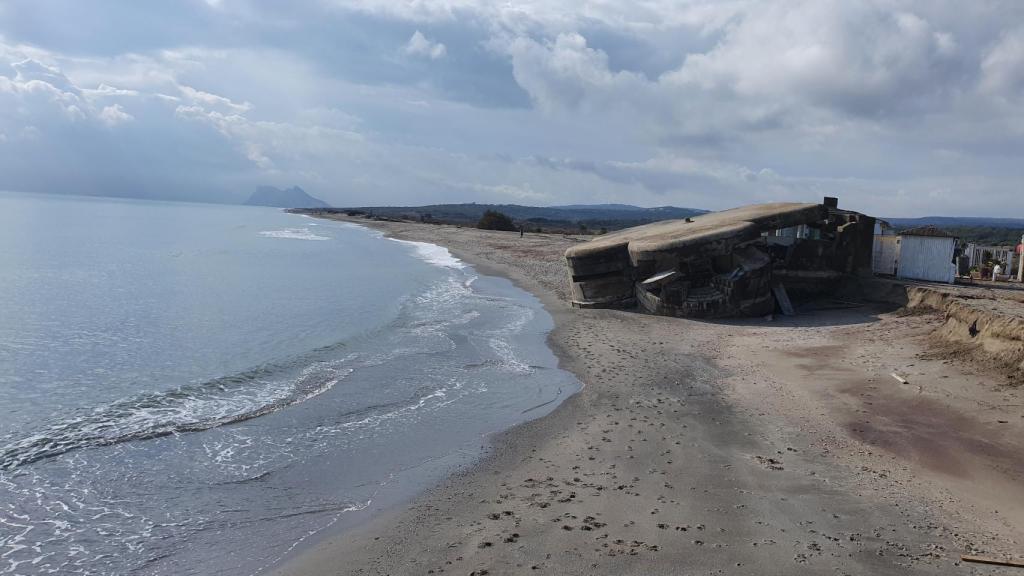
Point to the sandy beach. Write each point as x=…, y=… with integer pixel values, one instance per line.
x=750, y=446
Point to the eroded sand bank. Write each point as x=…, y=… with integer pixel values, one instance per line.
x=744, y=447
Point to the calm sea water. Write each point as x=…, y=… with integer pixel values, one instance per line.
x=192, y=389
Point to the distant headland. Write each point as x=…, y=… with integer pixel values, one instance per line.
x=293, y=197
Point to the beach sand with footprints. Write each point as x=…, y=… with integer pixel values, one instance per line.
x=734, y=447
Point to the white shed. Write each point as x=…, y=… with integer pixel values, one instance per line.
x=886, y=252
x=926, y=253
x=886, y=255
x=1020, y=260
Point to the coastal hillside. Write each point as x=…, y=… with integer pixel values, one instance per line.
x=593, y=218
x=958, y=222
x=550, y=218
x=293, y=197
x=979, y=230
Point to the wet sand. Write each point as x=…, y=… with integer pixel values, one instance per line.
x=741, y=447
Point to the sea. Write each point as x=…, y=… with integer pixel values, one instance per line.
x=209, y=389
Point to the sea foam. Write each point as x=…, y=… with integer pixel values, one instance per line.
x=189, y=408
x=293, y=234
x=432, y=253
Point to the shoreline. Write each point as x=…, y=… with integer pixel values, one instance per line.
x=664, y=461
x=370, y=514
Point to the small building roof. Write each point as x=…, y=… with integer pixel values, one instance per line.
x=930, y=231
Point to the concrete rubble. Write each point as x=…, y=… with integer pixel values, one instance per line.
x=722, y=264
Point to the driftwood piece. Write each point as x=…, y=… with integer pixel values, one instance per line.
x=991, y=561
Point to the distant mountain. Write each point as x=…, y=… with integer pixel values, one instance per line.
x=988, y=231
x=595, y=217
x=598, y=207
x=293, y=197
x=957, y=222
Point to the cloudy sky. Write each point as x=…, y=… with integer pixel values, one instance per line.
x=901, y=108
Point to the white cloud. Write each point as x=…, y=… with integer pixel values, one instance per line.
x=273, y=146
x=114, y=115
x=1002, y=69
x=517, y=193
x=803, y=67
x=856, y=57
x=420, y=45
x=106, y=90
x=566, y=72
x=553, y=16
x=208, y=99
x=31, y=71
x=38, y=88
x=30, y=133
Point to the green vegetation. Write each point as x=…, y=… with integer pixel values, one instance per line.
x=565, y=219
x=987, y=235
x=494, y=220
x=971, y=230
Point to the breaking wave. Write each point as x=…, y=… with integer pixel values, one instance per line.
x=422, y=328
x=188, y=408
x=294, y=234
x=432, y=253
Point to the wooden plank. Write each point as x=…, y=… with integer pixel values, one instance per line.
x=660, y=278
x=991, y=561
x=783, y=299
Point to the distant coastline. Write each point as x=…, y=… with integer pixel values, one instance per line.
x=592, y=219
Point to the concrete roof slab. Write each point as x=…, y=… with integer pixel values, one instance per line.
x=729, y=227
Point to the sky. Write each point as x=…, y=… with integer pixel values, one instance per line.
x=898, y=107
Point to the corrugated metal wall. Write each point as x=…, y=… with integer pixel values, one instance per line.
x=1020, y=269
x=926, y=258
x=885, y=254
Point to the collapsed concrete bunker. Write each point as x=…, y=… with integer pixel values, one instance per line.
x=737, y=262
